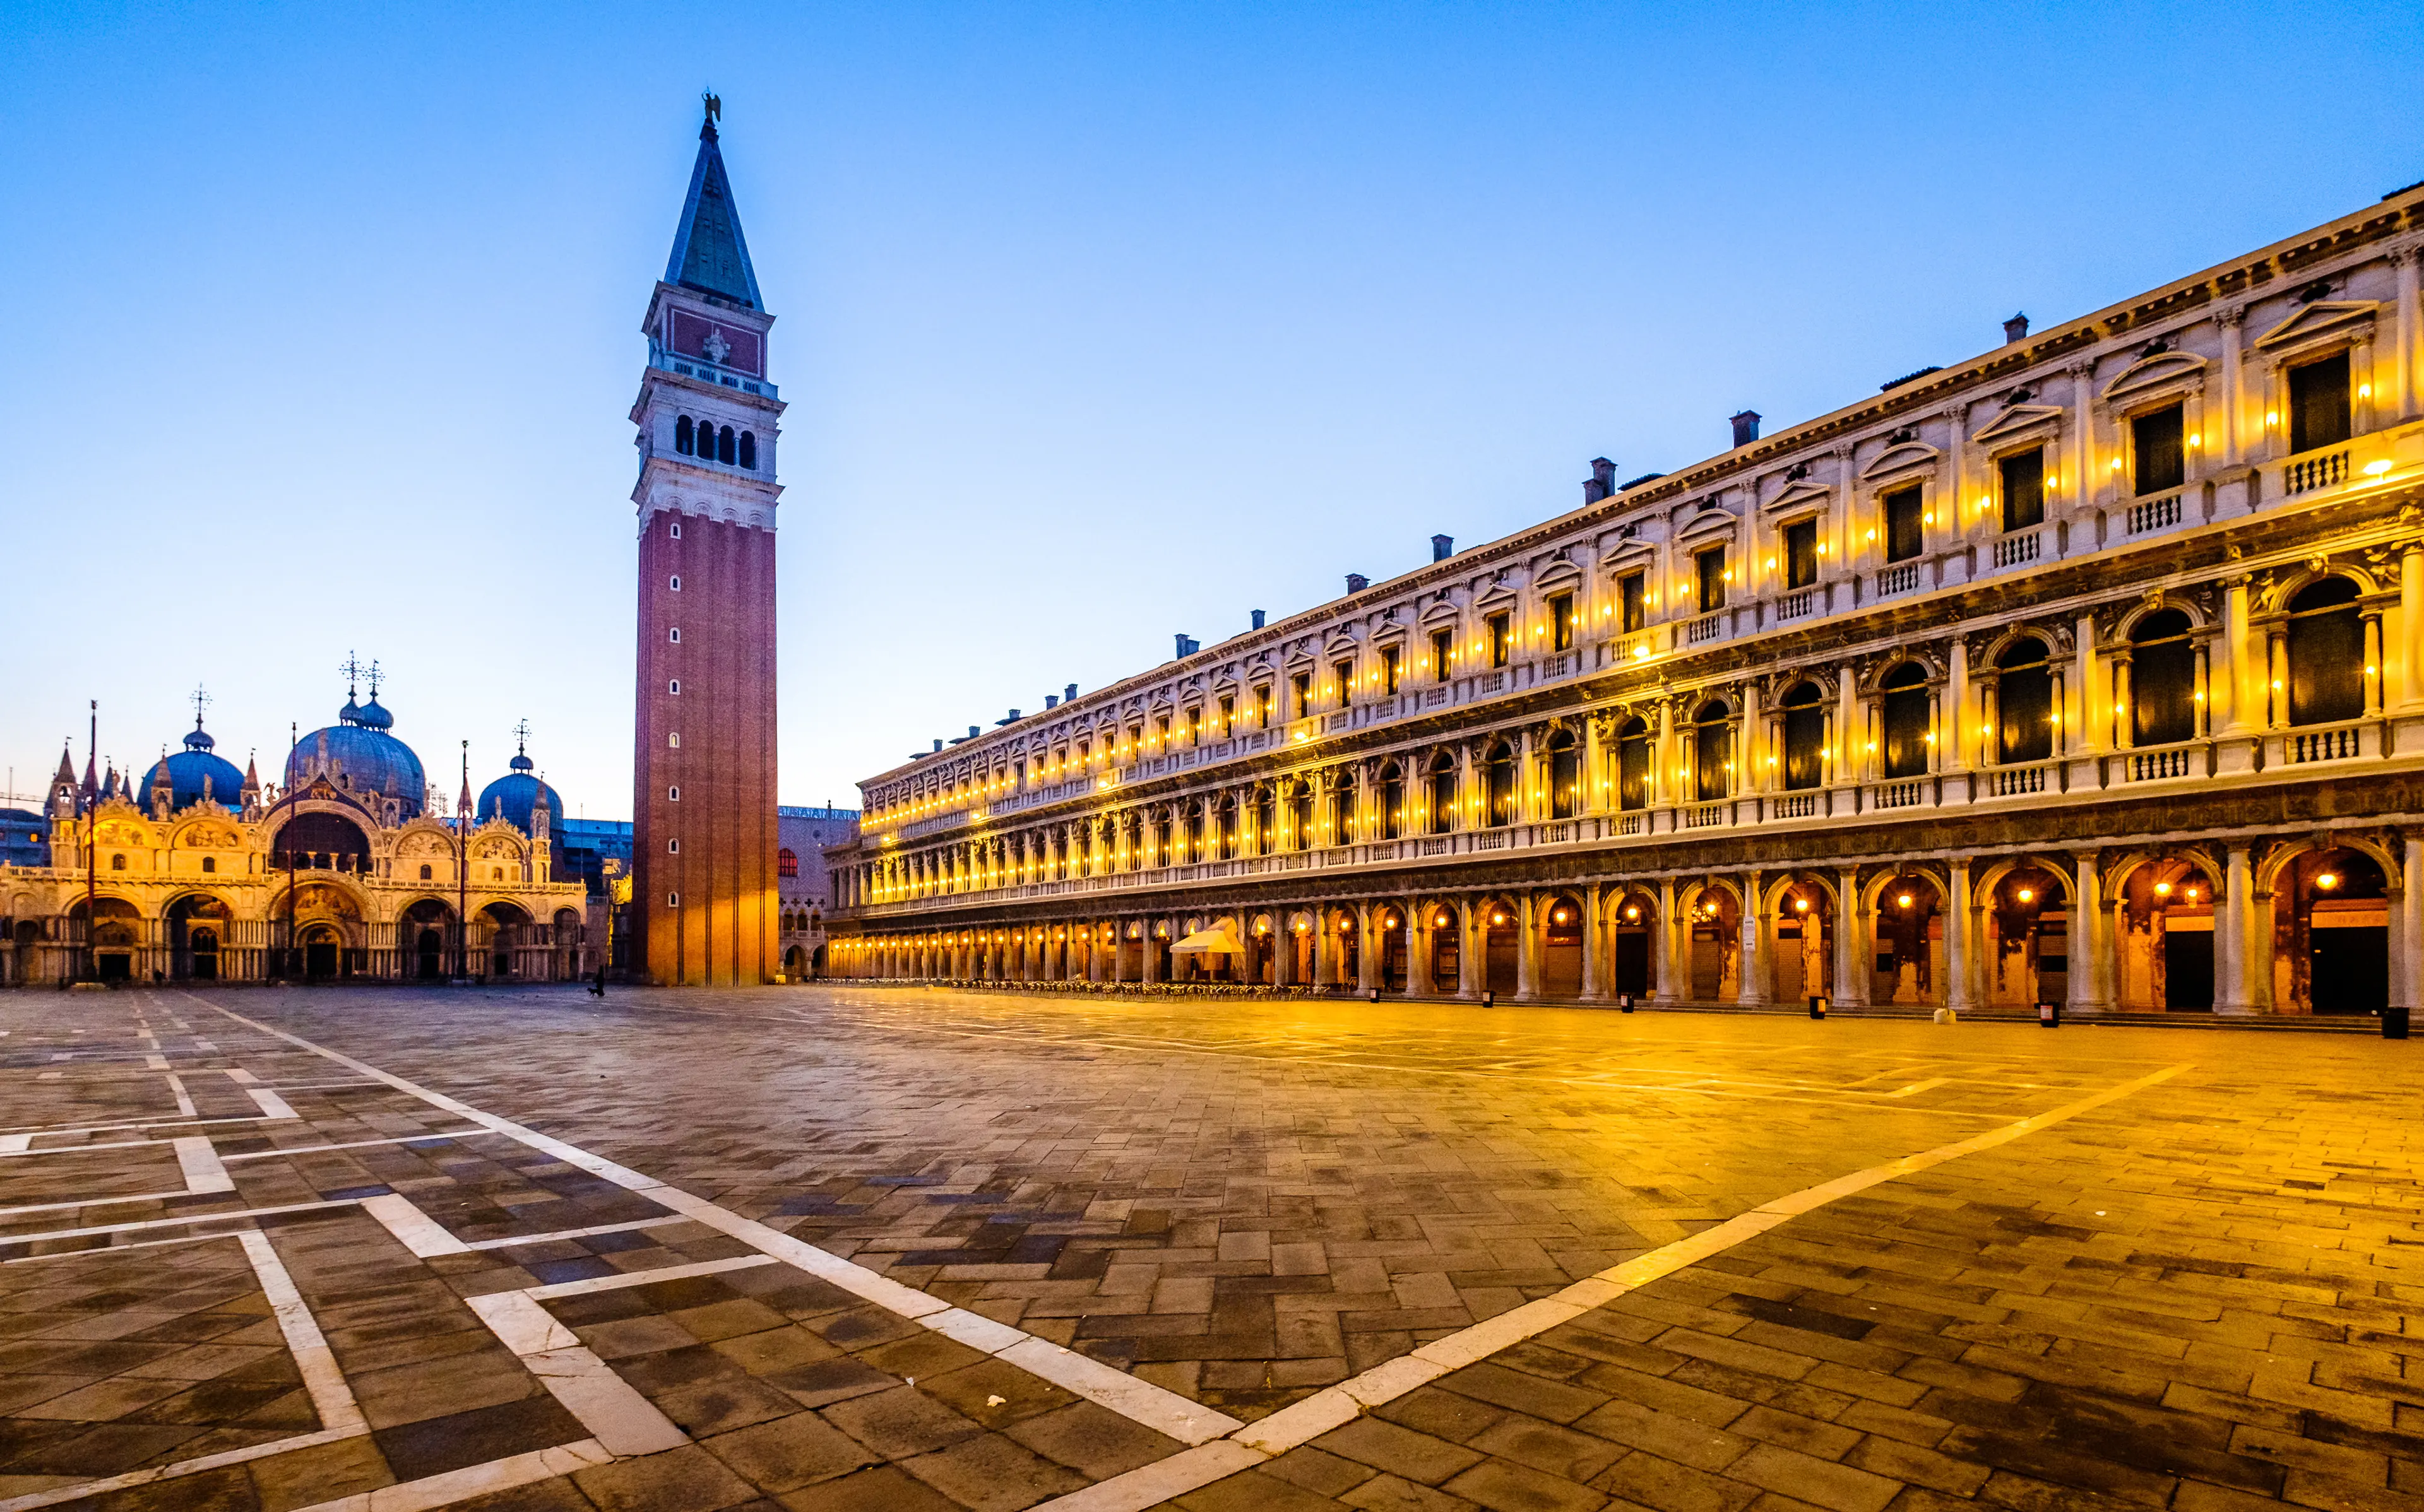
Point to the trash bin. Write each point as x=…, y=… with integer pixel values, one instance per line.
x=1817, y=1005
x=2050, y=1015
x=2394, y=1023
x=1624, y=1002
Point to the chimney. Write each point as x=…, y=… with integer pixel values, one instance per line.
x=1014, y=716
x=973, y=732
x=1069, y=694
x=1258, y=619
x=2016, y=328
x=1603, y=481
x=1051, y=702
x=1745, y=427
x=938, y=746
x=1188, y=646
x=1356, y=582
x=1442, y=547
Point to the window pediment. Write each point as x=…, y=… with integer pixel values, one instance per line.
x=2017, y=421
x=1441, y=612
x=1499, y=598
x=1339, y=644
x=1632, y=556
x=1901, y=457
x=2151, y=375
x=1802, y=493
x=1707, y=528
x=1556, y=575
x=2322, y=319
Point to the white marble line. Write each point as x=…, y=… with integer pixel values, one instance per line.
x=1166, y=1411
x=18, y=1144
x=413, y=1229
x=440, y=1137
x=613, y=1411
x=7, y=1213
x=1333, y=1407
x=114, y=1249
x=200, y=1163
x=330, y=1396
x=471, y=1481
x=107, y=1128
x=185, y=1103
x=156, y=1062
x=240, y=1077
x=271, y=1105
x=517, y=1240
x=587, y=1284
x=184, y=1466
x=1917, y=1087
x=171, y=1223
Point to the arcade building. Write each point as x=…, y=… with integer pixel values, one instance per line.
x=346, y=869
x=2088, y=670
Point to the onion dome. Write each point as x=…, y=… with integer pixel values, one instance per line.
x=515, y=796
x=195, y=774
x=357, y=752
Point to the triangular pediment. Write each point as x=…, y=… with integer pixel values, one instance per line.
x=2324, y=317
x=1902, y=457
x=1715, y=522
x=2019, y=420
x=1441, y=612
x=1558, y=575
x=1499, y=596
x=2150, y=373
x=1800, y=494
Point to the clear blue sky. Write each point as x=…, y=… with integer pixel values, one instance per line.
x=1096, y=323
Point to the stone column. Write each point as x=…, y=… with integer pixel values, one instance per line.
x=2406, y=365
x=1960, y=931
x=2276, y=663
x=1852, y=962
x=1471, y=950
x=1149, y=962
x=2089, y=481
x=1669, y=989
x=1325, y=951
x=1283, y=950
x=2232, y=400
x=1367, y=948
x=2090, y=951
x=2230, y=917
x=1418, y=948
x=2407, y=965
x=1750, y=773
x=2259, y=951
x=1594, y=945
x=2410, y=641
x=1529, y=923
x=2125, y=733
x=1953, y=740
x=2371, y=621
x=1753, y=974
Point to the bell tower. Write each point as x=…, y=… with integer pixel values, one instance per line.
x=703, y=882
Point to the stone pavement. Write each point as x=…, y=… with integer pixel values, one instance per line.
x=822, y=1248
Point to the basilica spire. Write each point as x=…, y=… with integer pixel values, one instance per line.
x=709, y=252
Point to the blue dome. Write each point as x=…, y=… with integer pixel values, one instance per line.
x=515, y=795
x=357, y=752
x=192, y=769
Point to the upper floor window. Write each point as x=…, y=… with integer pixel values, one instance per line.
x=1712, y=566
x=1342, y=811
x=1300, y=815
x=1800, y=553
x=1561, y=623
x=1228, y=715
x=685, y=436
x=749, y=451
x=1266, y=821
x=2318, y=403
x=1906, y=719
x=1805, y=737
x=1905, y=535
x=2163, y=680
x=424, y=872
x=1443, y=793
x=1343, y=675
x=1392, y=801
x=2023, y=477
x=1499, y=639
x=1390, y=658
x=2023, y=725
x=1564, y=775
x=1632, y=591
x=673, y=636
x=787, y=864
x=1713, y=765
x=675, y=531
x=1442, y=654
x=2326, y=654
x=210, y=863
x=1500, y=784
x=1301, y=685
x=1195, y=726
x=1263, y=706
x=1633, y=764
x=673, y=584
x=2158, y=448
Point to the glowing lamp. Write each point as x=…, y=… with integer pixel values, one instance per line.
x=1903, y=901
x=2027, y=894
x=2327, y=881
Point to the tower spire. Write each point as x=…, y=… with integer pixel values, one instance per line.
x=709, y=254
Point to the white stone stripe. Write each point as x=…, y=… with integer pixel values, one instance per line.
x=156, y=1062
x=471, y=1480
x=413, y=1229
x=185, y=1103
x=587, y=1284
x=56, y=1494
x=330, y=1396
x=190, y=1218
x=114, y=1249
x=201, y=1164
x=439, y=1137
x=1917, y=1087
x=1166, y=1411
x=622, y=1420
x=515, y=1241
x=1334, y=1406
x=272, y=1106
x=7, y=1213
x=239, y=1075
x=18, y=1144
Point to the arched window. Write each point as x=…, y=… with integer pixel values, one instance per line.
x=1564, y=775
x=1711, y=751
x=2163, y=680
x=1227, y=826
x=1300, y=815
x=787, y=864
x=424, y=872
x=1499, y=801
x=210, y=863
x=2326, y=654
x=1342, y=811
x=1805, y=737
x=1904, y=715
x=1392, y=801
x=1194, y=850
x=118, y=863
x=2023, y=702
x=1443, y=793
x=682, y=436
x=749, y=451
x=724, y=448
x=1266, y=817
x=1633, y=764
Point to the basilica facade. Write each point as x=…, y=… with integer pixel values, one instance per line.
x=2089, y=670
x=348, y=868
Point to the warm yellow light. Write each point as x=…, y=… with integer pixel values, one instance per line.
x=2375, y=470
x=2192, y=895
x=2162, y=889
x=2196, y=438
x=1632, y=912
x=1801, y=905
x=2027, y=895
x=2272, y=418
x=1873, y=535
x=1903, y=900
x=1771, y=564
x=2327, y=881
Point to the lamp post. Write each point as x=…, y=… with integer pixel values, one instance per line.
x=463, y=875
x=91, y=859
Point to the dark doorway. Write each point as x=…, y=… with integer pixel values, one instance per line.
x=2188, y=970
x=432, y=956
x=205, y=946
x=114, y=966
x=2351, y=967
x=1633, y=962
x=320, y=957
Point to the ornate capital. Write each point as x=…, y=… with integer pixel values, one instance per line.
x=2231, y=315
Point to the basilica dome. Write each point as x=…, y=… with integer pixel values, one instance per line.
x=194, y=773
x=514, y=796
x=357, y=752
